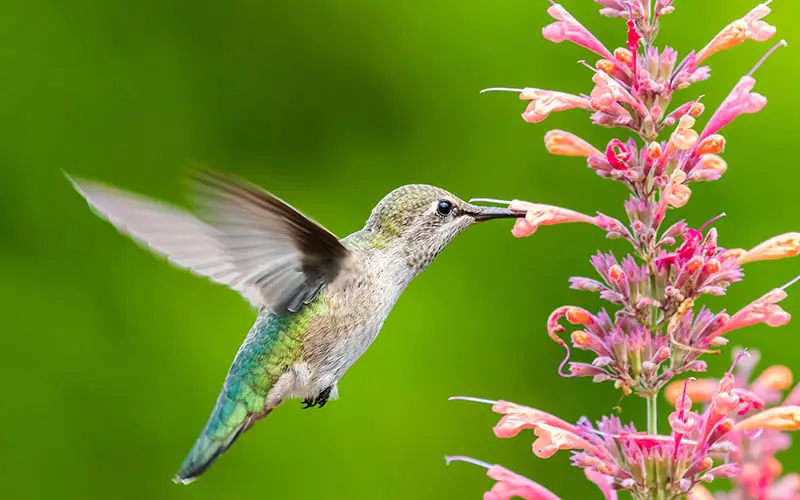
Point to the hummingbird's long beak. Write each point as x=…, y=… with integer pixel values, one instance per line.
x=481, y=214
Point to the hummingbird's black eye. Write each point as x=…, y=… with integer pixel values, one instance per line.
x=444, y=208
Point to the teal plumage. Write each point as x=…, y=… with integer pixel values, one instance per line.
x=272, y=345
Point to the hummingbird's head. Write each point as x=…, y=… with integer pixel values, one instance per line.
x=420, y=220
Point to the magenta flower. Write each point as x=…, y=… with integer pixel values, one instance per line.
x=719, y=428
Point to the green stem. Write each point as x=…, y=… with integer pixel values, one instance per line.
x=652, y=429
x=652, y=414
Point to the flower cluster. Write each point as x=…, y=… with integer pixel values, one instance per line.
x=757, y=436
x=655, y=332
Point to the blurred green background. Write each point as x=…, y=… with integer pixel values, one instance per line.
x=112, y=359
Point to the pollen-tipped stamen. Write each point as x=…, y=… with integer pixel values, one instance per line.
x=501, y=89
x=765, y=56
x=791, y=282
x=470, y=398
x=460, y=458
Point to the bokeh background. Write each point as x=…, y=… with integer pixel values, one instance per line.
x=111, y=359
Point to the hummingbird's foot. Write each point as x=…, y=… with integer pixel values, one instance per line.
x=320, y=400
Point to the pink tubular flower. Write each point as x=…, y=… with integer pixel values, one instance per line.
x=509, y=484
x=518, y=417
x=780, y=418
x=750, y=26
x=763, y=310
x=740, y=101
x=567, y=27
x=777, y=247
x=544, y=102
x=537, y=215
x=563, y=143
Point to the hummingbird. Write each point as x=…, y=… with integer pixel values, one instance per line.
x=321, y=300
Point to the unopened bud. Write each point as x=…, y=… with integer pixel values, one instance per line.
x=578, y=316
x=605, y=65
x=581, y=338
x=719, y=432
x=662, y=355
x=713, y=162
x=701, y=465
x=694, y=264
x=563, y=143
x=712, y=266
x=654, y=151
x=623, y=55
x=711, y=145
x=697, y=109
x=616, y=273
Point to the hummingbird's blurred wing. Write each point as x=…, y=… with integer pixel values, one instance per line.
x=246, y=238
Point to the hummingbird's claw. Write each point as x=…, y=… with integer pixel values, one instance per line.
x=319, y=401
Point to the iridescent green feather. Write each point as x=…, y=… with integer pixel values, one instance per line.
x=272, y=345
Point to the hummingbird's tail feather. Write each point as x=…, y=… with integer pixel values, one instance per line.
x=246, y=394
x=208, y=448
x=203, y=454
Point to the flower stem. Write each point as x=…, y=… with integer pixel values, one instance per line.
x=652, y=414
